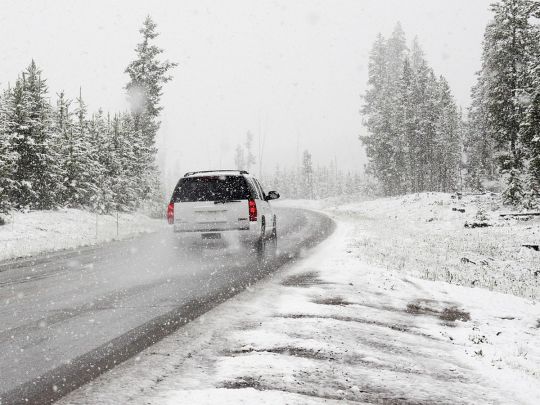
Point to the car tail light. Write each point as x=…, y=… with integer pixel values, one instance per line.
x=252, y=210
x=170, y=213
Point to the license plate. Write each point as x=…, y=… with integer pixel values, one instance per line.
x=211, y=236
x=210, y=217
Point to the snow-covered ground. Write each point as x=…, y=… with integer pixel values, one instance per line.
x=425, y=235
x=35, y=232
x=335, y=326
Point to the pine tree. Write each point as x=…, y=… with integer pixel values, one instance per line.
x=48, y=173
x=407, y=124
x=423, y=100
x=447, y=154
x=239, y=158
x=386, y=146
x=530, y=128
x=85, y=167
x=29, y=119
x=503, y=83
x=124, y=187
x=250, y=157
x=147, y=76
x=277, y=180
x=307, y=175
x=396, y=54
x=8, y=159
x=414, y=126
x=310, y=181
x=479, y=144
x=63, y=127
x=53, y=156
x=531, y=139
x=102, y=200
x=21, y=144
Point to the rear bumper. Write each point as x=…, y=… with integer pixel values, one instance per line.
x=202, y=228
x=250, y=233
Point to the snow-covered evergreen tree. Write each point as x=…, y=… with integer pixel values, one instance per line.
x=250, y=157
x=84, y=166
x=530, y=127
x=124, y=184
x=58, y=156
x=396, y=53
x=8, y=158
x=307, y=175
x=384, y=144
x=38, y=169
x=531, y=138
x=244, y=158
x=479, y=144
x=69, y=149
x=102, y=200
x=413, y=123
x=501, y=98
x=447, y=143
x=239, y=158
x=422, y=101
x=407, y=122
x=314, y=181
x=147, y=75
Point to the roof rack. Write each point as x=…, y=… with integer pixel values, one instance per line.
x=214, y=171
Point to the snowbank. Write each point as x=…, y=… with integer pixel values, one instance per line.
x=27, y=234
x=333, y=327
x=440, y=237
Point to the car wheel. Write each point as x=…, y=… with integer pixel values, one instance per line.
x=273, y=239
x=260, y=245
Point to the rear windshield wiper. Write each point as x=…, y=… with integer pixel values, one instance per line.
x=225, y=201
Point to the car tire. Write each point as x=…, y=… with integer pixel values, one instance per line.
x=273, y=239
x=260, y=244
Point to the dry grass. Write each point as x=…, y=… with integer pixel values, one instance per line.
x=424, y=237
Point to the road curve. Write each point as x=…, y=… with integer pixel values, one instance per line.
x=68, y=317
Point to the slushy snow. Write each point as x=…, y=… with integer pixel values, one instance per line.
x=334, y=327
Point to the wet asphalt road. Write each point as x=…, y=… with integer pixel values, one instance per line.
x=68, y=317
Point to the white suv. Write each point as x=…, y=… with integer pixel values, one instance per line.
x=223, y=203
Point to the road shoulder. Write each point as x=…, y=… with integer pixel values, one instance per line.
x=44, y=232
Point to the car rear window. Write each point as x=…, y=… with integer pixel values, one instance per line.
x=211, y=188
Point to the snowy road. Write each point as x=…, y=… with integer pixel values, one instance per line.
x=70, y=316
x=332, y=329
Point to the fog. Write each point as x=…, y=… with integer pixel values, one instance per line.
x=137, y=267
x=292, y=73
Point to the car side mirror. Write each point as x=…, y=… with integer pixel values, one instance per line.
x=272, y=195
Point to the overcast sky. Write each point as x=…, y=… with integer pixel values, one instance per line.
x=292, y=71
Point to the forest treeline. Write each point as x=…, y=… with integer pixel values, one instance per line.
x=310, y=181
x=413, y=122
x=503, y=133
x=306, y=180
x=419, y=140
x=58, y=154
